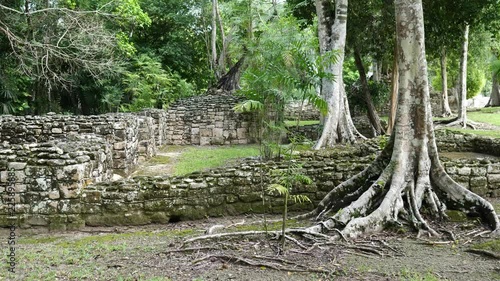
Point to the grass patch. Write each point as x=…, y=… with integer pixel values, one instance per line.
x=486, y=133
x=486, y=115
x=493, y=246
x=201, y=158
x=40, y=240
x=291, y=123
x=409, y=275
x=160, y=159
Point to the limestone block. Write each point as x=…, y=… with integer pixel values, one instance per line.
x=242, y=133
x=494, y=179
x=16, y=165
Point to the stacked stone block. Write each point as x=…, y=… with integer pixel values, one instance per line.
x=208, y=120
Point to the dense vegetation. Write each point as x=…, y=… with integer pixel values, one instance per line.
x=97, y=56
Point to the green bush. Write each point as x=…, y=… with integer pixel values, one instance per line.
x=475, y=82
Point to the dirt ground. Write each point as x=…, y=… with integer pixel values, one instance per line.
x=154, y=252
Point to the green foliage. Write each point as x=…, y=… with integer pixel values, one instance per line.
x=283, y=65
x=475, y=82
x=285, y=180
x=13, y=94
x=379, y=91
x=248, y=106
x=145, y=84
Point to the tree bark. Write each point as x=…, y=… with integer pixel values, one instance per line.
x=394, y=93
x=332, y=23
x=408, y=174
x=221, y=63
x=230, y=81
x=462, y=109
x=213, y=42
x=372, y=112
x=495, y=91
x=445, y=105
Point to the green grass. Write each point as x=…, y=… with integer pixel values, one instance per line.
x=200, y=158
x=409, y=275
x=160, y=159
x=291, y=123
x=486, y=133
x=493, y=245
x=490, y=115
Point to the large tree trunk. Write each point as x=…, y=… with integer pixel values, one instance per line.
x=495, y=91
x=372, y=112
x=394, y=93
x=332, y=23
x=445, y=105
x=462, y=109
x=408, y=174
x=231, y=80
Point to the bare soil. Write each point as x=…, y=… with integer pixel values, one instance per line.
x=154, y=252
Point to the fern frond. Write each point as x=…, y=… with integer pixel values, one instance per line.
x=277, y=188
x=248, y=106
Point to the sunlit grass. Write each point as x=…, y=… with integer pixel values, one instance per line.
x=490, y=115
x=198, y=158
x=486, y=133
x=290, y=123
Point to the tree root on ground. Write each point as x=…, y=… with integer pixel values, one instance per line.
x=263, y=261
x=456, y=122
x=485, y=253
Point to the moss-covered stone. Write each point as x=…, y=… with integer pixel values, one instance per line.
x=158, y=217
x=108, y=219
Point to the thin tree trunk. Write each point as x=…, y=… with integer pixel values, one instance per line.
x=376, y=71
x=462, y=109
x=213, y=42
x=394, y=93
x=408, y=174
x=495, y=91
x=332, y=23
x=372, y=112
x=445, y=105
x=221, y=64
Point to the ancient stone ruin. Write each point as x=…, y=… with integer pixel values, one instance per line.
x=60, y=168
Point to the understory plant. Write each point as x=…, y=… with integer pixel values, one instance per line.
x=285, y=180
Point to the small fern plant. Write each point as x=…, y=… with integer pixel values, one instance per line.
x=284, y=182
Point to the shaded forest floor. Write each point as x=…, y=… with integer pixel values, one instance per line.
x=153, y=252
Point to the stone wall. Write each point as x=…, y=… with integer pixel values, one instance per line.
x=208, y=120
x=453, y=141
x=305, y=111
x=224, y=191
x=119, y=130
x=48, y=178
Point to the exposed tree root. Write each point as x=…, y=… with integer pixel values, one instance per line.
x=456, y=122
x=263, y=261
x=485, y=253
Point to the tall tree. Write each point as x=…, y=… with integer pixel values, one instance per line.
x=370, y=33
x=332, y=26
x=495, y=87
x=52, y=41
x=407, y=176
